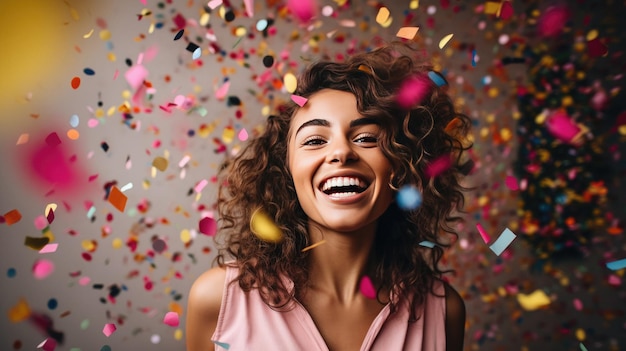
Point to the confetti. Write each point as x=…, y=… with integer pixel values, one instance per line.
x=408, y=197
x=290, y=82
x=534, y=300
x=312, y=246
x=483, y=233
x=407, y=32
x=264, y=228
x=12, y=217
x=221, y=344
x=367, y=287
x=75, y=83
x=302, y=10
x=511, y=183
x=299, y=100
x=504, y=240
x=213, y=4
x=445, y=40
x=47, y=345
x=160, y=163
x=42, y=268
x=171, y=319
x=615, y=265
x=109, y=329
x=179, y=34
x=582, y=347
x=438, y=166
x=117, y=199
x=428, y=244
x=207, y=226
x=383, y=15
x=437, y=78
x=412, y=91
x=19, y=312
x=49, y=248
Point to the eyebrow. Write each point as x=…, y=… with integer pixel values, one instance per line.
x=324, y=123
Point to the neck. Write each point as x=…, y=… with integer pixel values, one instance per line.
x=337, y=266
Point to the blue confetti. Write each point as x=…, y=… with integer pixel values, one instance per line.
x=615, y=265
x=409, y=198
x=437, y=78
x=504, y=240
x=221, y=344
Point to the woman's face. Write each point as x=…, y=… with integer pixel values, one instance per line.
x=340, y=174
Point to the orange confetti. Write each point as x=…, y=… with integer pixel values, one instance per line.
x=12, y=217
x=407, y=32
x=19, y=312
x=75, y=83
x=117, y=199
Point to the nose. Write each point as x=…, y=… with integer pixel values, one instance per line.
x=341, y=151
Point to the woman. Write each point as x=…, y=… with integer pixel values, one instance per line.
x=353, y=269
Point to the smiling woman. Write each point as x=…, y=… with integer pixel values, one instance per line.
x=353, y=270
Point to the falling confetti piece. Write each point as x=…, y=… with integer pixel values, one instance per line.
x=243, y=135
x=412, y=91
x=179, y=34
x=221, y=93
x=47, y=345
x=160, y=163
x=117, y=199
x=367, y=287
x=428, y=244
x=511, y=183
x=438, y=166
x=213, y=4
x=23, y=139
x=291, y=82
x=445, y=40
x=12, y=217
x=264, y=228
x=19, y=312
x=221, y=344
x=534, y=300
x=505, y=10
x=437, y=78
x=207, y=226
x=483, y=233
x=382, y=16
x=407, y=32
x=503, y=241
x=171, y=319
x=268, y=61
x=408, y=198
x=582, y=347
x=615, y=265
x=75, y=83
x=109, y=329
x=562, y=126
x=88, y=35
x=312, y=246
x=36, y=243
x=302, y=10
x=552, y=21
x=299, y=100
x=42, y=268
x=49, y=248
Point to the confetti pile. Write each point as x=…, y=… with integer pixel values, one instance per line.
x=110, y=158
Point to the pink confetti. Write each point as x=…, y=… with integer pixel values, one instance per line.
x=171, y=319
x=367, y=287
x=42, y=268
x=109, y=329
x=83, y=281
x=49, y=248
x=40, y=222
x=243, y=135
x=222, y=91
x=135, y=76
x=208, y=226
x=562, y=126
x=92, y=123
x=614, y=280
x=511, y=183
x=483, y=233
x=48, y=345
x=412, y=91
x=302, y=10
x=299, y=100
x=214, y=4
x=552, y=21
x=506, y=10
x=201, y=184
x=438, y=166
x=578, y=305
x=249, y=4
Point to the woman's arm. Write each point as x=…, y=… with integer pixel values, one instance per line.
x=455, y=320
x=203, y=308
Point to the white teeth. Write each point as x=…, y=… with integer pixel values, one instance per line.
x=342, y=181
x=342, y=195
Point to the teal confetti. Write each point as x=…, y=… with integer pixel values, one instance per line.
x=221, y=344
x=505, y=239
x=582, y=347
x=615, y=265
x=427, y=243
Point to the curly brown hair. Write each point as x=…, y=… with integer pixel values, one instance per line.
x=413, y=138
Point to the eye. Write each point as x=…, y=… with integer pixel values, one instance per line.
x=366, y=138
x=313, y=141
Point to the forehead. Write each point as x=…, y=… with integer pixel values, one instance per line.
x=328, y=104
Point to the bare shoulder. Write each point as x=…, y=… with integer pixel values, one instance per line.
x=455, y=319
x=203, y=308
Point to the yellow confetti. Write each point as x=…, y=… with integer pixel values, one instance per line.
x=580, y=334
x=228, y=135
x=534, y=300
x=105, y=34
x=492, y=7
x=291, y=82
x=592, y=34
x=445, y=40
x=74, y=14
x=263, y=227
x=185, y=236
x=117, y=243
x=178, y=334
x=414, y=4
x=407, y=32
x=160, y=163
x=88, y=35
x=382, y=16
x=314, y=245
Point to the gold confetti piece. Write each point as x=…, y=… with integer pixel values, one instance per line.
x=88, y=35
x=19, y=312
x=492, y=7
x=314, y=245
x=23, y=139
x=74, y=14
x=534, y=300
x=414, y=4
x=445, y=40
x=263, y=227
x=160, y=163
x=117, y=199
x=291, y=82
x=407, y=32
x=382, y=16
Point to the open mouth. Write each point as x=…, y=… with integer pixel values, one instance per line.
x=343, y=186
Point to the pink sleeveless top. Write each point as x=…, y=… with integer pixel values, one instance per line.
x=245, y=322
